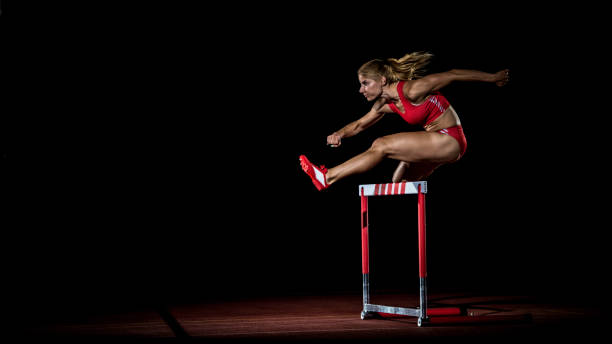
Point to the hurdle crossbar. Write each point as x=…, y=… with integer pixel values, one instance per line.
x=387, y=189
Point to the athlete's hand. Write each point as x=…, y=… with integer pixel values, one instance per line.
x=334, y=140
x=502, y=77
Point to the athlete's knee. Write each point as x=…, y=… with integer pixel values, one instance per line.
x=380, y=145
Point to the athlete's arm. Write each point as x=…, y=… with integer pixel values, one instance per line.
x=422, y=87
x=354, y=128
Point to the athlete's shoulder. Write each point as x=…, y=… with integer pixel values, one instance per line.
x=415, y=90
x=381, y=105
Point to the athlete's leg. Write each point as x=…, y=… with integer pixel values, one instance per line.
x=410, y=147
x=413, y=171
x=400, y=172
x=359, y=164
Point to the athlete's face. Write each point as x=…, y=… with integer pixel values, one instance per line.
x=370, y=88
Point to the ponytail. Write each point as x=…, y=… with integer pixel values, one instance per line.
x=409, y=67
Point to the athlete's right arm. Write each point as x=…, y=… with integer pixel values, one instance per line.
x=374, y=115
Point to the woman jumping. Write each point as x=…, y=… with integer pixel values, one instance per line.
x=397, y=85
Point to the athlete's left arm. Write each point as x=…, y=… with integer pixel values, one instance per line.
x=433, y=82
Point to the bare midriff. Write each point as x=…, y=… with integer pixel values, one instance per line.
x=446, y=120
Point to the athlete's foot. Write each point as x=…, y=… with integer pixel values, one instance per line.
x=317, y=174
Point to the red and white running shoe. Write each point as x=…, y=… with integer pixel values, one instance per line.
x=317, y=174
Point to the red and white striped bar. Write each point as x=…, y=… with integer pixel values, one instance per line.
x=386, y=189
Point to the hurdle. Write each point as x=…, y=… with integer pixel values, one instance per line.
x=371, y=310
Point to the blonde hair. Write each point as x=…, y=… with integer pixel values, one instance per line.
x=409, y=67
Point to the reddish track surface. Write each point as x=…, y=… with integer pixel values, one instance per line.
x=328, y=318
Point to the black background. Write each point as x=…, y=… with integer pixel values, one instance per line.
x=152, y=154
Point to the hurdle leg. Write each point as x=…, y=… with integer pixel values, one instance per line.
x=423, y=318
x=365, y=255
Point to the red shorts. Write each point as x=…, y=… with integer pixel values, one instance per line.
x=456, y=132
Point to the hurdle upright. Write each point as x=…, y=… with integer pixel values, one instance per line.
x=370, y=310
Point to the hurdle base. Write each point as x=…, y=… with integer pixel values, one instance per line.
x=381, y=310
x=372, y=311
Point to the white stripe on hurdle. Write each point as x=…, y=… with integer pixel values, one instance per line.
x=403, y=188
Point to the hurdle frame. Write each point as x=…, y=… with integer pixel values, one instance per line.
x=371, y=310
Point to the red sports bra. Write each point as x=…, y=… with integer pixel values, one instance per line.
x=424, y=113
